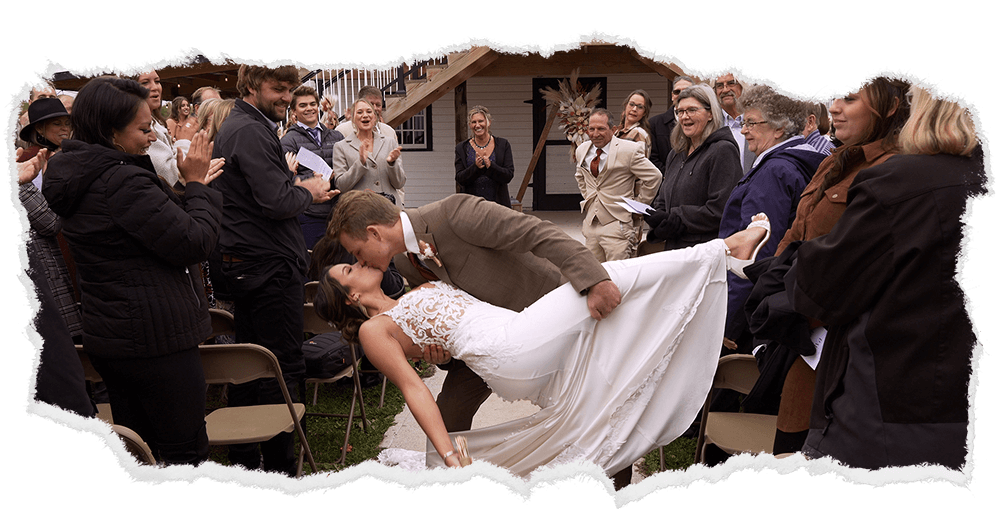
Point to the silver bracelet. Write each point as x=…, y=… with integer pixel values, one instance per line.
x=447, y=455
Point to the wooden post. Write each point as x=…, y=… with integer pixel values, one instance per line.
x=461, y=110
x=538, y=152
x=461, y=125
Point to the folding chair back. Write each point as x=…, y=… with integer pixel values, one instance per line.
x=223, y=323
x=242, y=363
x=135, y=445
x=238, y=364
x=735, y=432
x=314, y=324
x=737, y=372
x=310, y=290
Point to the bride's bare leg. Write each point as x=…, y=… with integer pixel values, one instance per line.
x=741, y=244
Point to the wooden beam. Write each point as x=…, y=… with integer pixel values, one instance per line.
x=444, y=82
x=461, y=126
x=669, y=71
x=538, y=152
x=461, y=109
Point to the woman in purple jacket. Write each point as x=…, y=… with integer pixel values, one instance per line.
x=783, y=165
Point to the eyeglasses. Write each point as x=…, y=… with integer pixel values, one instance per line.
x=691, y=111
x=727, y=84
x=637, y=106
x=750, y=125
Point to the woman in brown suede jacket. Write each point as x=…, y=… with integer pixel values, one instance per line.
x=867, y=123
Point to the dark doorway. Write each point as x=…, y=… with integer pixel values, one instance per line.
x=554, y=187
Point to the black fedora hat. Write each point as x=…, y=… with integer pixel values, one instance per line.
x=40, y=110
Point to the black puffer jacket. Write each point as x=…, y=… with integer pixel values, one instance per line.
x=136, y=246
x=695, y=188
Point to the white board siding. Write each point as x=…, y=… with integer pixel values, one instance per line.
x=430, y=175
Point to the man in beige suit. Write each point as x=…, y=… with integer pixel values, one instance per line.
x=609, y=169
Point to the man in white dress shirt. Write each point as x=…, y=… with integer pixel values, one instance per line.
x=728, y=89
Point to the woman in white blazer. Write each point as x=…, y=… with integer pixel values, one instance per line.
x=368, y=160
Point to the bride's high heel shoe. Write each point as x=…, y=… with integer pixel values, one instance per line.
x=736, y=265
x=462, y=446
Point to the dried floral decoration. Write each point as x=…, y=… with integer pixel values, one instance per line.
x=575, y=105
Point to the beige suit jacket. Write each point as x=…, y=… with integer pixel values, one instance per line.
x=377, y=175
x=626, y=171
x=499, y=256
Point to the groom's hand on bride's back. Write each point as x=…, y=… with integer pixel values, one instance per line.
x=436, y=355
x=602, y=298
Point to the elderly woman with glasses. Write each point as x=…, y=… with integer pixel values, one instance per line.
x=700, y=173
x=783, y=165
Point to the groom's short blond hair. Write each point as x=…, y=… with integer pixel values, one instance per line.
x=356, y=210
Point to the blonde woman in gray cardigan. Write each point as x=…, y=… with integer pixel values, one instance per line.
x=368, y=160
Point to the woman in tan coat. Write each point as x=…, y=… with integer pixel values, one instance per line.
x=367, y=159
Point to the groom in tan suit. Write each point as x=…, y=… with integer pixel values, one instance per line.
x=609, y=168
x=495, y=254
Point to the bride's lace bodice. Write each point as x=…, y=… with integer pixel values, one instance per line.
x=429, y=316
x=464, y=326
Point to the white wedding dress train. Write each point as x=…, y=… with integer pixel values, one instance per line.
x=609, y=391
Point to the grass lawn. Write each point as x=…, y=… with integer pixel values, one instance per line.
x=326, y=434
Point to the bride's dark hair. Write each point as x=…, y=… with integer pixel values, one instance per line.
x=330, y=304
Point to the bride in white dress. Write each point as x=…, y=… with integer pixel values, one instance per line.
x=609, y=391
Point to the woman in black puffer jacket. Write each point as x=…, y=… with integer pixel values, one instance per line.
x=137, y=246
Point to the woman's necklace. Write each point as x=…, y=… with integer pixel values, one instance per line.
x=487, y=142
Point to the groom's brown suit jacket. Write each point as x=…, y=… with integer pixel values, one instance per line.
x=497, y=255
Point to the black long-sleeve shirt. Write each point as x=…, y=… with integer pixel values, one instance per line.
x=260, y=200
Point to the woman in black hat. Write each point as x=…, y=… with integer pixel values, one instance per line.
x=48, y=125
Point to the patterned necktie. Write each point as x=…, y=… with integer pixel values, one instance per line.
x=595, y=165
x=314, y=133
x=421, y=268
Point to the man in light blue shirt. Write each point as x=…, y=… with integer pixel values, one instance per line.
x=728, y=89
x=817, y=126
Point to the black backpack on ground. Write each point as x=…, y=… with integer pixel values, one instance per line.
x=326, y=355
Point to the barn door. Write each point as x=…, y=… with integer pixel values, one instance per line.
x=555, y=187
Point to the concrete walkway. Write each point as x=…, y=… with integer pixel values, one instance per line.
x=407, y=435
